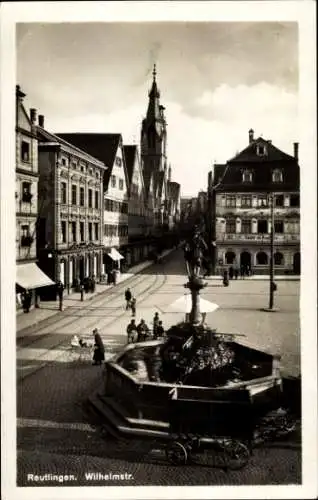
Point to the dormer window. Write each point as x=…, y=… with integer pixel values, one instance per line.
x=261, y=150
x=277, y=176
x=247, y=176
x=118, y=161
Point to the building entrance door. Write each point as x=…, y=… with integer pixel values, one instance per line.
x=81, y=268
x=245, y=260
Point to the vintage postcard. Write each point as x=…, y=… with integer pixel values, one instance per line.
x=158, y=250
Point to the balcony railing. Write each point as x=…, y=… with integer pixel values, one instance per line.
x=265, y=238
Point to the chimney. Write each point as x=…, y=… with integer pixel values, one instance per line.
x=250, y=136
x=296, y=148
x=33, y=115
x=41, y=121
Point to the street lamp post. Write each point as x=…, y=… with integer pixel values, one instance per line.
x=211, y=226
x=272, y=285
x=271, y=269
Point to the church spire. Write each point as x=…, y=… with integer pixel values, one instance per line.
x=154, y=92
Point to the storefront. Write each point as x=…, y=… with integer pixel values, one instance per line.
x=30, y=277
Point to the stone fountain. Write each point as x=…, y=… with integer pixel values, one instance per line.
x=193, y=363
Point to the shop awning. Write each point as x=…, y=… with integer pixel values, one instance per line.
x=115, y=255
x=184, y=304
x=30, y=276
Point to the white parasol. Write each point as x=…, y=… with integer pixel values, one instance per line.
x=184, y=304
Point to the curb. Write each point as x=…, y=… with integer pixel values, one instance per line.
x=125, y=277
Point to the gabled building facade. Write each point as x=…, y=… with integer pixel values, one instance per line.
x=140, y=214
x=28, y=274
x=108, y=148
x=27, y=177
x=70, y=238
x=243, y=190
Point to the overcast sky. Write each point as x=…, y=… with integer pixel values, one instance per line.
x=216, y=80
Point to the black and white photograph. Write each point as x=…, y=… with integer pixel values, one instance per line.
x=158, y=250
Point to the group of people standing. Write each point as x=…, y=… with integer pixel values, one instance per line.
x=141, y=332
x=235, y=272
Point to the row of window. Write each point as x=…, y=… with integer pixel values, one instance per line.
x=93, y=231
x=262, y=201
x=115, y=206
x=262, y=227
x=115, y=230
x=113, y=181
x=92, y=196
x=261, y=258
x=277, y=176
x=82, y=168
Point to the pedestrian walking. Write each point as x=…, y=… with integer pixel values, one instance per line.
x=155, y=324
x=133, y=307
x=242, y=272
x=99, y=349
x=225, y=278
x=60, y=290
x=128, y=297
x=81, y=287
x=86, y=284
x=115, y=276
x=231, y=273
x=236, y=273
x=132, y=332
x=26, y=301
x=93, y=282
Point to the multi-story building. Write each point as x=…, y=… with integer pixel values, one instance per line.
x=108, y=148
x=70, y=238
x=243, y=190
x=29, y=276
x=140, y=214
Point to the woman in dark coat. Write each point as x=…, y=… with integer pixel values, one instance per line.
x=99, y=349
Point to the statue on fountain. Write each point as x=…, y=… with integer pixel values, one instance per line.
x=193, y=253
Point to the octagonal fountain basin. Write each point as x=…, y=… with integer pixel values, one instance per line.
x=230, y=396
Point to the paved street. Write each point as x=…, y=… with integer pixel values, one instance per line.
x=54, y=436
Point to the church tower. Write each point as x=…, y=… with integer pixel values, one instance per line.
x=154, y=137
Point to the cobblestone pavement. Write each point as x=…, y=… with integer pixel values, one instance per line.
x=54, y=435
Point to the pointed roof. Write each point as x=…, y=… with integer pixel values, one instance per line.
x=153, y=111
x=249, y=154
x=154, y=92
x=130, y=152
x=102, y=146
x=45, y=136
x=229, y=177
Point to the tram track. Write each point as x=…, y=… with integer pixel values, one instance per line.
x=93, y=303
x=153, y=287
